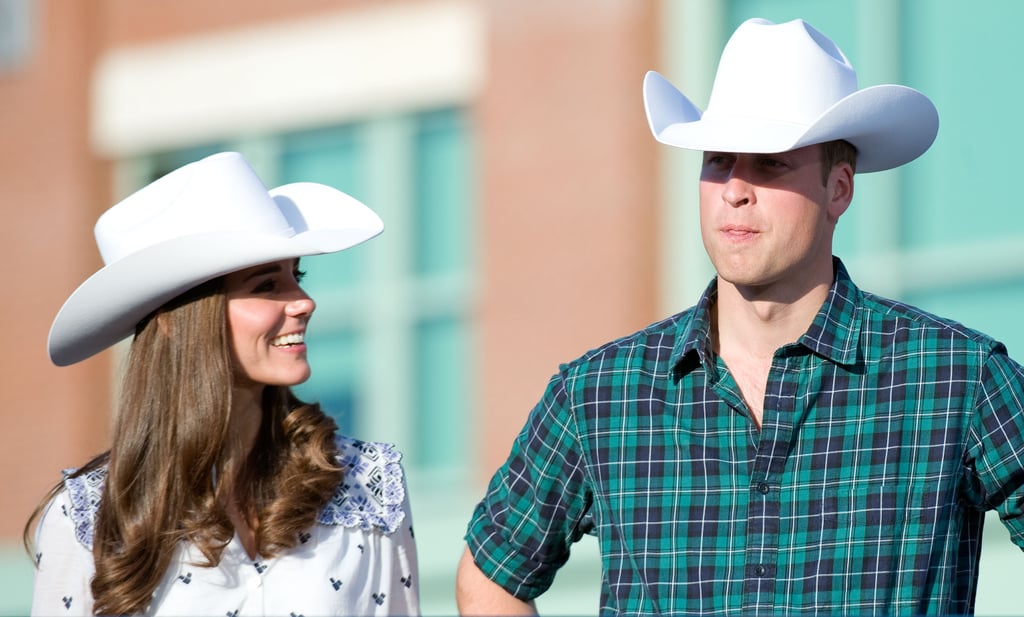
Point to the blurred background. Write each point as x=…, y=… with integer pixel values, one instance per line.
x=530, y=214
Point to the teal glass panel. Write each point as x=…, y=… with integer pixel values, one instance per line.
x=965, y=59
x=990, y=308
x=441, y=206
x=331, y=156
x=336, y=378
x=166, y=162
x=442, y=385
x=328, y=155
x=835, y=18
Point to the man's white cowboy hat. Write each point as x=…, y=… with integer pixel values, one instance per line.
x=203, y=220
x=784, y=86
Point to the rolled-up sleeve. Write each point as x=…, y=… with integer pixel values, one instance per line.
x=996, y=456
x=521, y=533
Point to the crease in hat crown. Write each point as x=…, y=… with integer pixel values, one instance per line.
x=782, y=86
x=200, y=221
x=219, y=193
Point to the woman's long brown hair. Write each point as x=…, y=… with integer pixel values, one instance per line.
x=167, y=479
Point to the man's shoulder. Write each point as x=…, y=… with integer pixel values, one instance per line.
x=888, y=315
x=652, y=343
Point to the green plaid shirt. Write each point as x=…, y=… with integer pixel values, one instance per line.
x=887, y=433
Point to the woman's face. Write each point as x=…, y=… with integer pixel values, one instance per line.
x=267, y=317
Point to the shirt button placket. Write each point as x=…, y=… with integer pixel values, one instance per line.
x=767, y=477
x=254, y=584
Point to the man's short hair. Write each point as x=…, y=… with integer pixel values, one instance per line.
x=835, y=152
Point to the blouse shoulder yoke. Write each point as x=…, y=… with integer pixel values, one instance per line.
x=84, y=493
x=371, y=494
x=373, y=489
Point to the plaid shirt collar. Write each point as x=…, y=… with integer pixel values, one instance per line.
x=834, y=334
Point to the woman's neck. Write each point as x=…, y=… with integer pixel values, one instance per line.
x=243, y=425
x=243, y=429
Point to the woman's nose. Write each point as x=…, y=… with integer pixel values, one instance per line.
x=301, y=304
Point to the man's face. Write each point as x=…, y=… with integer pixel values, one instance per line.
x=767, y=220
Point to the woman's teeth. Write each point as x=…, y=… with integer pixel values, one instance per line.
x=287, y=339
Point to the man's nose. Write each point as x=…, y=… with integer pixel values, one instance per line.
x=737, y=190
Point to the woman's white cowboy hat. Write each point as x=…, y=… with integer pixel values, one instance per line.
x=203, y=220
x=784, y=86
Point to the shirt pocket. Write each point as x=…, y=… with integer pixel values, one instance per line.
x=878, y=511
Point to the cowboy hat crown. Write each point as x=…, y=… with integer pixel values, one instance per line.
x=201, y=221
x=784, y=86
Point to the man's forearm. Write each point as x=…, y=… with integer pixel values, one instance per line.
x=475, y=594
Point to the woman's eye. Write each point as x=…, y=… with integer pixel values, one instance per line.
x=265, y=286
x=299, y=275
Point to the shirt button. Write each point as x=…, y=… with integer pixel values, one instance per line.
x=760, y=570
x=763, y=488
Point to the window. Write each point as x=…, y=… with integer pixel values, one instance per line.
x=16, y=33
x=390, y=344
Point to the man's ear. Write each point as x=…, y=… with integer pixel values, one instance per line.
x=840, y=190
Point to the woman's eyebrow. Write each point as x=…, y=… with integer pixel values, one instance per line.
x=269, y=269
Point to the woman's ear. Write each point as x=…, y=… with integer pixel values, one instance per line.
x=163, y=323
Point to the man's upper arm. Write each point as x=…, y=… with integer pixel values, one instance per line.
x=521, y=532
x=998, y=430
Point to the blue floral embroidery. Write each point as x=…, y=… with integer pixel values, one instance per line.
x=85, y=492
x=354, y=463
x=361, y=502
x=373, y=490
x=370, y=496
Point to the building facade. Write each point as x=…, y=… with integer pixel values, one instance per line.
x=530, y=215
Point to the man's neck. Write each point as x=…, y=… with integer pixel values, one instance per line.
x=748, y=327
x=757, y=323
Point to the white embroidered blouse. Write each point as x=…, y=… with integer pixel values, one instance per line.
x=360, y=559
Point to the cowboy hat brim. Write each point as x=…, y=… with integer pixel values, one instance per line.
x=108, y=305
x=890, y=125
